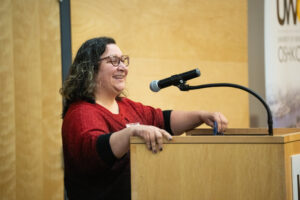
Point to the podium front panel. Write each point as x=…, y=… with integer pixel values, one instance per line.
x=208, y=167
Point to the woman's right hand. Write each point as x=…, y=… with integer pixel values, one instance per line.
x=152, y=135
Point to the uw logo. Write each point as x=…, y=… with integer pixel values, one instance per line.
x=287, y=7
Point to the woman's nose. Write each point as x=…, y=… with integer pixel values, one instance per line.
x=121, y=66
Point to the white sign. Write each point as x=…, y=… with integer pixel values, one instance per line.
x=282, y=61
x=296, y=176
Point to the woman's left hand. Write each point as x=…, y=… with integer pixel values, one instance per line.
x=210, y=117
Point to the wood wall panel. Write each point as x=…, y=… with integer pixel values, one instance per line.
x=7, y=114
x=30, y=73
x=28, y=106
x=168, y=37
x=51, y=100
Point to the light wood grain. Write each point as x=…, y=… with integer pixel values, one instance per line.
x=30, y=76
x=245, y=131
x=7, y=108
x=50, y=99
x=219, y=140
x=233, y=136
x=205, y=170
x=29, y=137
x=169, y=37
x=230, y=131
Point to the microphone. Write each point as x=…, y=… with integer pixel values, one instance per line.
x=176, y=80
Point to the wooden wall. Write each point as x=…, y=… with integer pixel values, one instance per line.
x=167, y=37
x=162, y=37
x=30, y=77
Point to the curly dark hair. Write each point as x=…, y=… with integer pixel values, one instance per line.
x=80, y=83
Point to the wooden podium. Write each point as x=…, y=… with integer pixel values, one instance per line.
x=243, y=164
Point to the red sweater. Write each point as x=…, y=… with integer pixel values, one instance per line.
x=91, y=170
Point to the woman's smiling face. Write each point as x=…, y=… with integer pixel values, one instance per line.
x=111, y=79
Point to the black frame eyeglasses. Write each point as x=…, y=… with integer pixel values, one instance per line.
x=115, y=60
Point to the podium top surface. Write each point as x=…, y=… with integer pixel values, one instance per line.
x=233, y=136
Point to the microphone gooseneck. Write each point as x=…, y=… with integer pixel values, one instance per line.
x=184, y=87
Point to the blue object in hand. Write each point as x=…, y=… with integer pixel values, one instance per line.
x=215, y=128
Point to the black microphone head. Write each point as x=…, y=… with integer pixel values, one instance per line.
x=190, y=74
x=154, y=86
x=175, y=80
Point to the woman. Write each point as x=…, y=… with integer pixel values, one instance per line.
x=98, y=123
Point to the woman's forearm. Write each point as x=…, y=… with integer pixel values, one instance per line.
x=120, y=141
x=182, y=121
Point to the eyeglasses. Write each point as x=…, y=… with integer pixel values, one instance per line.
x=115, y=60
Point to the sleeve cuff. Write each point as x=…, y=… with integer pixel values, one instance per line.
x=167, y=119
x=104, y=149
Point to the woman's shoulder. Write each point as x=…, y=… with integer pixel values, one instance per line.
x=82, y=108
x=81, y=105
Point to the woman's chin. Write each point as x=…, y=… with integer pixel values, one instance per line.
x=119, y=89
